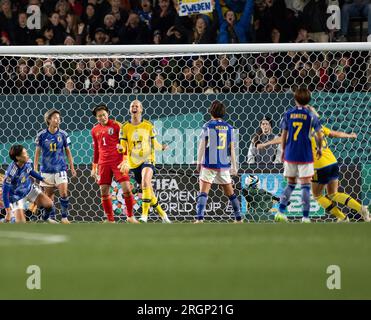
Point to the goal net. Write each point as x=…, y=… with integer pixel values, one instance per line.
x=176, y=85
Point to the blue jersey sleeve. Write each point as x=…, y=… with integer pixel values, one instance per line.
x=38, y=140
x=204, y=133
x=6, y=193
x=284, y=123
x=316, y=124
x=66, y=140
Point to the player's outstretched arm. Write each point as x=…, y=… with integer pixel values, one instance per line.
x=341, y=134
x=274, y=141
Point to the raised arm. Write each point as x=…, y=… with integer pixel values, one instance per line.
x=218, y=9
x=246, y=15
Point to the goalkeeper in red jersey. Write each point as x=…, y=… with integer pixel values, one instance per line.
x=106, y=159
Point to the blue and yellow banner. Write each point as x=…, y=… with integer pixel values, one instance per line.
x=187, y=7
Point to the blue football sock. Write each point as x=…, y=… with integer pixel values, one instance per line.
x=236, y=207
x=201, y=205
x=305, y=197
x=64, y=201
x=49, y=213
x=285, y=197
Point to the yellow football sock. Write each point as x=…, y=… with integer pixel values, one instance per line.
x=146, y=201
x=157, y=207
x=347, y=200
x=330, y=206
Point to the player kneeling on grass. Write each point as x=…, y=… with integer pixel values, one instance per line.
x=216, y=155
x=18, y=187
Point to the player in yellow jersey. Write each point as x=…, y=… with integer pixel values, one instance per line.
x=326, y=174
x=137, y=139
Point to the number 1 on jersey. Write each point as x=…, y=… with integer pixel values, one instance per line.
x=104, y=141
x=298, y=126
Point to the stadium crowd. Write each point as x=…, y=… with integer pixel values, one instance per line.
x=145, y=22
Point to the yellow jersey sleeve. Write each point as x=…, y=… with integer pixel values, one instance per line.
x=327, y=157
x=326, y=131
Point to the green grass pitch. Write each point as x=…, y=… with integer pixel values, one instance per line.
x=186, y=261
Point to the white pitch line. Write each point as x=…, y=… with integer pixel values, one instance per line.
x=30, y=238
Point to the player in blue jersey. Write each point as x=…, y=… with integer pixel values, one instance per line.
x=216, y=160
x=18, y=187
x=52, y=143
x=297, y=155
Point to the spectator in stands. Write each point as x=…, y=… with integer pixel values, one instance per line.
x=275, y=35
x=157, y=37
x=69, y=87
x=101, y=37
x=81, y=76
x=59, y=32
x=48, y=34
x=51, y=81
x=72, y=22
x=163, y=16
x=202, y=33
x=134, y=31
x=186, y=79
x=69, y=41
x=303, y=36
x=22, y=83
x=145, y=12
x=248, y=84
x=23, y=35
x=90, y=20
x=175, y=87
x=231, y=30
x=175, y=35
x=62, y=8
x=7, y=20
x=259, y=153
x=224, y=75
x=354, y=8
x=111, y=28
x=159, y=84
x=314, y=18
x=120, y=14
